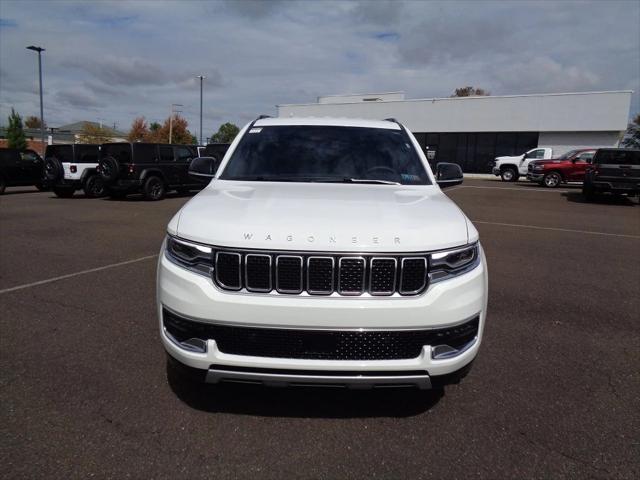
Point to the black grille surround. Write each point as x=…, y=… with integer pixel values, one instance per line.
x=318, y=273
x=320, y=344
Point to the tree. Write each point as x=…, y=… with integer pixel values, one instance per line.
x=92, y=133
x=15, y=132
x=470, y=92
x=226, y=133
x=179, y=131
x=139, y=131
x=33, y=122
x=632, y=137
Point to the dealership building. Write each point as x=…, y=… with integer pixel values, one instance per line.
x=472, y=131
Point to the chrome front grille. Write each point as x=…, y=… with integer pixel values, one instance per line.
x=320, y=274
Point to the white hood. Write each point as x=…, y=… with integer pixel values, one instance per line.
x=321, y=217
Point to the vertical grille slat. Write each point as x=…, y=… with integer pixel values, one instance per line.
x=320, y=275
x=259, y=271
x=289, y=274
x=227, y=270
x=413, y=276
x=351, y=275
x=382, y=276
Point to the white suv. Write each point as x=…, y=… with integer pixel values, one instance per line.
x=322, y=252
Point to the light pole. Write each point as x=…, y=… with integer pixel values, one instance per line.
x=171, y=118
x=201, y=77
x=40, y=50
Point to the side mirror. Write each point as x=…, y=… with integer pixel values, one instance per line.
x=448, y=174
x=203, y=168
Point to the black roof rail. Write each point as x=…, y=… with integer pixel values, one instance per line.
x=260, y=117
x=391, y=120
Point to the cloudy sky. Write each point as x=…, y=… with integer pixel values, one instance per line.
x=113, y=61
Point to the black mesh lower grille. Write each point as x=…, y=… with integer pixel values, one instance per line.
x=320, y=344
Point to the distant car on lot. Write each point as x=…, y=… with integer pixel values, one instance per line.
x=510, y=168
x=569, y=167
x=149, y=168
x=20, y=169
x=613, y=170
x=215, y=150
x=73, y=167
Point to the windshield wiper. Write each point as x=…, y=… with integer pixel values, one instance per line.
x=277, y=178
x=370, y=180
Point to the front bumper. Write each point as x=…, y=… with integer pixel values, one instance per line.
x=444, y=304
x=495, y=171
x=535, y=177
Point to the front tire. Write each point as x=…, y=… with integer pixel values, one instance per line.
x=509, y=174
x=154, y=188
x=552, y=180
x=94, y=187
x=64, y=192
x=588, y=192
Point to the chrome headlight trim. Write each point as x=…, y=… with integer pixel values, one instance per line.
x=191, y=256
x=454, y=262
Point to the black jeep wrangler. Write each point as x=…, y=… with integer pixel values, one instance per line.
x=149, y=168
x=613, y=170
x=68, y=168
x=20, y=169
x=215, y=150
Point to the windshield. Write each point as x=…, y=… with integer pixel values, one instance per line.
x=326, y=154
x=567, y=155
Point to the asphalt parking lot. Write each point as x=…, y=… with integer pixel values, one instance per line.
x=555, y=391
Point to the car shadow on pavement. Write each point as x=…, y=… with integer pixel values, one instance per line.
x=302, y=402
x=577, y=197
x=138, y=197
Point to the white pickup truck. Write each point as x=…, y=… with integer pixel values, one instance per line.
x=510, y=168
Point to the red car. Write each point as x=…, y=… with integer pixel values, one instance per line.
x=569, y=167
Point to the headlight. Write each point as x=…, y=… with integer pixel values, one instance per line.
x=192, y=256
x=451, y=263
x=538, y=168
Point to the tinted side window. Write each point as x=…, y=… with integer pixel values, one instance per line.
x=119, y=151
x=586, y=157
x=28, y=156
x=64, y=153
x=618, y=157
x=183, y=154
x=166, y=153
x=144, y=153
x=87, y=153
x=538, y=154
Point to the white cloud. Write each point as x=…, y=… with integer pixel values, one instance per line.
x=117, y=60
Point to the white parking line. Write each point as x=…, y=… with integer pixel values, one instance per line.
x=535, y=227
x=71, y=275
x=532, y=189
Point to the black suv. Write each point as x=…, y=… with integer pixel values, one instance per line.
x=20, y=169
x=73, y=167
x=215, y=150
x=150, y=168
x=613, y=170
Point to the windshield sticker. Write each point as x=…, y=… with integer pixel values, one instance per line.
x=407, y=177
x=255, y=130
